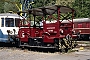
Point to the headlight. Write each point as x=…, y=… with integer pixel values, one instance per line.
x=80, y=31
x=61, y=31
x=73, y=31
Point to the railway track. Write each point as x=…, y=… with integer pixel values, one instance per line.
x=85, y=44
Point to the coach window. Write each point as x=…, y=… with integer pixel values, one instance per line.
x=79, y=25
x=87, y=25
x=2, y=24
x=9, y=22
x=17, y=21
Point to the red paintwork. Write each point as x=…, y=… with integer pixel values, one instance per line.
x=67, y=29
x=24, y=33
x=52, y=30
x=49, y=32
x=82, y=27
x=36, y=32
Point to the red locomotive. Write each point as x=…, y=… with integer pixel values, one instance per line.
x=50, y=34
x=82, y=25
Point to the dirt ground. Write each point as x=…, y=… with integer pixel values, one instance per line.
x=18, y=54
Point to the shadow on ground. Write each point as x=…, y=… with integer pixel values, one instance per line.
x=45, y=50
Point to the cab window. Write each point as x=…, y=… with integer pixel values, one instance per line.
x=79, y=25
x=9, y=22
x=2, y=23
x=17, y=21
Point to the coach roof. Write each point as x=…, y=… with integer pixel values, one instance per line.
x=9, y=15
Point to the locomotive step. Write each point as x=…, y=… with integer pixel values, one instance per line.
x=36, y=46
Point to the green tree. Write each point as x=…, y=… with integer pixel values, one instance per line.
x=11, y=7
x=1, y=7
x=8, y=5
x=82, y=8
x=40, y=3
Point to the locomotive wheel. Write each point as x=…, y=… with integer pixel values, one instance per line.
x=18, y=43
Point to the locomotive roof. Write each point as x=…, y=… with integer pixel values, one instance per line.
x=82, y=20
x=78, y=20
x=49, y=10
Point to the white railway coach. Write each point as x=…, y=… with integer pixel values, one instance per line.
x=8, y=21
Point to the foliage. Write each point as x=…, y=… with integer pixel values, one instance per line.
x=82, y=8
x=40, y=3
x=1, y=7
x=11, y=7
x=8, y=5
